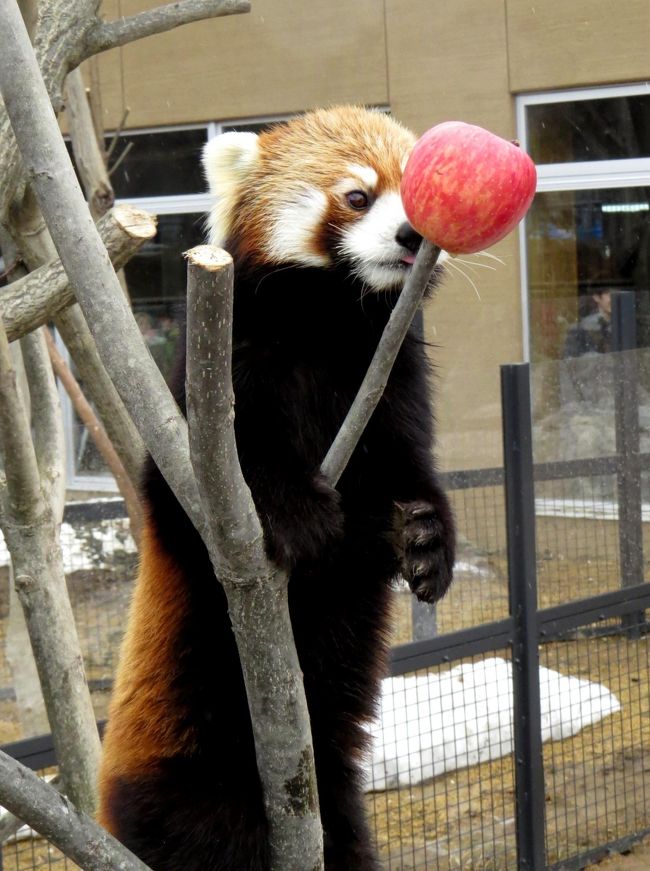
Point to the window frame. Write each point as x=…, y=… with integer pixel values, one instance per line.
x=196, y=203
x=575, y=175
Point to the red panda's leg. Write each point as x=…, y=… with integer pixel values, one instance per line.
x=347, y=838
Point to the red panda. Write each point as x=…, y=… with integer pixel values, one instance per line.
x=311, y=213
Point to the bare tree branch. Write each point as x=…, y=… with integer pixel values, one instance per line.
x=54, y=817
x=10, y=823
x=47, y=421
x=133, y=371
x=87, y=154
x=373, y=384
x=66, y=34
x=98, y=434
x=105, y=35
x=37, y=298
x=121, y=430
x=31, y=535
x=257, y=592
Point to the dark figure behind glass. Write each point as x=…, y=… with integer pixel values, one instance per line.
x=593, y=333
x=586, y=374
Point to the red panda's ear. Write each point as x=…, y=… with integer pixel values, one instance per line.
x=227, y=161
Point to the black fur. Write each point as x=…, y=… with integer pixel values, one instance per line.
x=303, y=339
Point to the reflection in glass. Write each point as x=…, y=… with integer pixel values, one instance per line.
x=582, y=245
x=605, y=129
x=161, y=163
x=156, y=279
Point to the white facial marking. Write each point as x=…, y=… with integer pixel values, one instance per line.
x=293, y=228
x=365, y=174
x=371, y=245
x=227, y=160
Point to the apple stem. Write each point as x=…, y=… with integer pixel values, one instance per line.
x=372, y=386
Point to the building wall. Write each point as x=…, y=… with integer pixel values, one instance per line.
x=429, y=61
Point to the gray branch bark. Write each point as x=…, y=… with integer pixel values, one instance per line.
x=111, y=34
x=54, y=817
x=87, y=154
x=40, y=297
x=257, y=592
x=47, y=421
x=131, y=367
x=67, y=33
x=98, y=434
x=31, y=533
x=37, y=298
x=121, y=430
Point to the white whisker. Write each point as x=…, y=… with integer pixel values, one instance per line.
x=451, y=263
x=491, y=257
x=473, y=264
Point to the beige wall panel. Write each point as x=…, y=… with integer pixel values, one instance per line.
x=560, y=44
x=449, y=61
x=472, y=336
x=282, y=57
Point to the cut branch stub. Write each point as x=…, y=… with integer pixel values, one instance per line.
x=37, y=298
x=210, y=404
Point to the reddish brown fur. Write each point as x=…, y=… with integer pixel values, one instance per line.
x=145, y=721
x=314, y=150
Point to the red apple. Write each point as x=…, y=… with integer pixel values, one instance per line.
x=464, y=188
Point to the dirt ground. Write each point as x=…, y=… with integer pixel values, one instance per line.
x=638, y=859
x=597, y=783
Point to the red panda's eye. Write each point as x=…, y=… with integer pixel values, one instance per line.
x=357, y=200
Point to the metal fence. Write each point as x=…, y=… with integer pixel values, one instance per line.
x=516, y=728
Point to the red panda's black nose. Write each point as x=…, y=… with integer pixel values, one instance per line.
x=408, y=237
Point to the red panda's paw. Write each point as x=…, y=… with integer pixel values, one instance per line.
x=314, y=525
x=426, y=549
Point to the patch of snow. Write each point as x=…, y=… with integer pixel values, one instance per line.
x=435, y=723
x=467, y=568
x=86, y=545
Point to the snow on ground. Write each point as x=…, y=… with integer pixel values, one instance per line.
x=86, y=546
x=435, y=723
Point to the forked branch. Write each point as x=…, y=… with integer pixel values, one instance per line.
x=105, y=35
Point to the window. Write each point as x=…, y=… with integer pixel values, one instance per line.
x=160, y=172
x=587, y=234
x=589, y=227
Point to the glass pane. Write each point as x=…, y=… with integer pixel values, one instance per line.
x=156, y=282
x=156, y=278
x=607, y=129
x=582, y=244
x=251, y=127
x=162, y=163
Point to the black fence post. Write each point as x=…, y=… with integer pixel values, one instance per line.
x=628, y=478
x=520, y=525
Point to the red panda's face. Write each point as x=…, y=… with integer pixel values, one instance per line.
x=322, y=190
